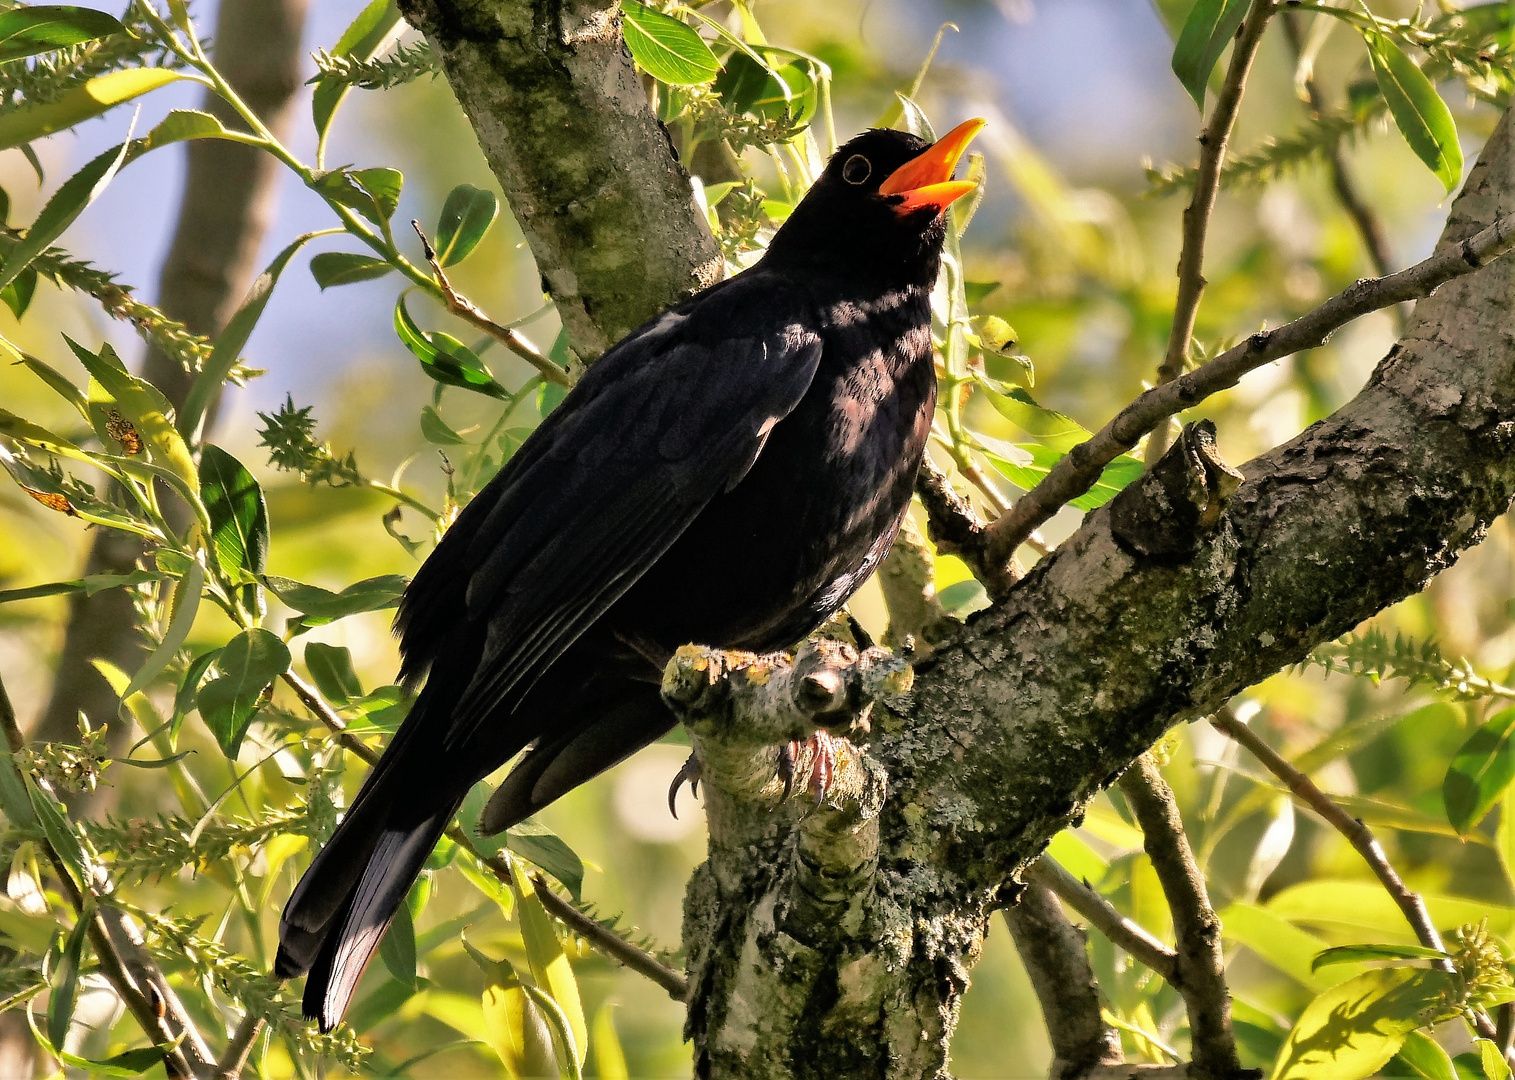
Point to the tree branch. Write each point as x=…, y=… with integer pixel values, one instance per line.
x=1049, y=874
x=1053, y=950
x=1201, y=962
x=1212, y=155
x=589, y=173
x=1077, y=472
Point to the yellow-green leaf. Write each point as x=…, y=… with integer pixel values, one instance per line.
x=1353, y=1029
x=98, y=95
x=549, y=962
x=1418, y=111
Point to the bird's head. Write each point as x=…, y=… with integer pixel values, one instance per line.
x=877, y=209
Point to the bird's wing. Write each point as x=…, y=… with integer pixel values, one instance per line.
x=662, y=423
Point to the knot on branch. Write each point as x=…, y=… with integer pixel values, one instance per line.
x=747, y=699
x=1164, y=515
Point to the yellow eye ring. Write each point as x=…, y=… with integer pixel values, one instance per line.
x=857, y=169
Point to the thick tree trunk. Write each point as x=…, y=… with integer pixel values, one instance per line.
x=228, y=204
x=589, y=172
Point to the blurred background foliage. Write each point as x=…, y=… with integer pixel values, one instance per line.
x=1073, y=247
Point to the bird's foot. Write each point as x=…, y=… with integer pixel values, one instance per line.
x=689, y=771
x=822, y=761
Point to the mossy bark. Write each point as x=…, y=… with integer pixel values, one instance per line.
x=589, y=172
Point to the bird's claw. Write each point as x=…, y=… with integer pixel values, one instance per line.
x=822, y=764
x=689, y=771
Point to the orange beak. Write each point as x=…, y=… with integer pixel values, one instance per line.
x=927, y=180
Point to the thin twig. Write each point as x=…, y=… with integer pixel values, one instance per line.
x=606, y=941
x=957, y=530
x=1212, y=155
x=126, y=965
x=1201, y=961
x=240, y=1046
x=1054, y=952
x=1082, y=466
x=468, y=311
x=1374, y=238
x=1103, y=916
x=1358, y=835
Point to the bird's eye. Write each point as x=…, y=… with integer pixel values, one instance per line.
x=857, y=169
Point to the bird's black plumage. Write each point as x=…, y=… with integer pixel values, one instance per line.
x=728, y=474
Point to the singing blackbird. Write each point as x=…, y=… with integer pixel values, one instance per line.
x=728, y=474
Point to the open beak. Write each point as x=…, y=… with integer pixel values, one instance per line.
x=927, y=180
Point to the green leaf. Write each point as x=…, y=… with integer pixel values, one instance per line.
x=15, y=803
x=1352, y=954
x=183, y=608
x=64, y=996
x=445, y=358
x=181, y=125
x=331, y=668
x=18, y=294
x=189, y=686
x=1026, y=464
x=1481, y=772
x=1280, y=943
x=466, y=217
x=67, y=203
x=398, y=948
x=514, y=1026
x=1059, y=432
x=1425, y=1055
x=345, y=267
x=750, y=83
x=1504, y=836
x=1418, y=111
x=60, y=835
x=666, y=48
x=549, y=963
x=27, y=31
x=145, y=406
x=383, y=186
x=56, y=382
x=1495, y=1067
x=541, y=846
x=228, y=348
x=1354, y=1028
x=373, y=29
x=238, y=514
x=609, y=1059
x=88, y=585
x=324, y=606
x=127, y=1063
x=98, y=95
x=248, y=663
x=1209, y=28
x=436, y=430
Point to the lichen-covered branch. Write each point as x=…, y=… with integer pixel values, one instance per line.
x=1182, y=590
x=591, y=176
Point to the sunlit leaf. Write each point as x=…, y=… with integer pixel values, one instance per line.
x=1354, y=1028
x=182, y=610
x=96, y=96
x=181, y=125
x=383, y=187
x=609, y=1059
x=1418, y=111
x=466, y=217
x=1425, y=1055
x=543, y=847
x=27, y=31
x=332, y=268
x=667, y=49
x=60, y=835
x=1480, y=772
x=1026, y=464
x=549, y=962
x=1207, y=31
x=228, y=703
x=398, y=948
x=88, y=585
x=1352, y=954
x=1495, y=1067
x=149, y=411
x=436, y=431
x=238, y=514
x=445, y=358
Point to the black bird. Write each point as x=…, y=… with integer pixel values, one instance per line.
x=728, y=474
